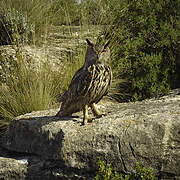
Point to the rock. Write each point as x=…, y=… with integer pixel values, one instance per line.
x=11, y=169
x=146, y=132
x=22, y=166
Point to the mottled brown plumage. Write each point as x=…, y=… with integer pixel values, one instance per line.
x=89, y=84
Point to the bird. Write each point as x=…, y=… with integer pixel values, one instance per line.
x=89, y=84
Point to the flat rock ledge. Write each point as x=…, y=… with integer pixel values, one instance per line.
x=41, y=146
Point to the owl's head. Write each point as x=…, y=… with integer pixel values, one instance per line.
x=104, y=54
x=97, y=54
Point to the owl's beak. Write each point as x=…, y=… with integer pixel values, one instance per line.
x=101, y=54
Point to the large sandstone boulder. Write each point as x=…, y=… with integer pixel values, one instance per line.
x=146, y=132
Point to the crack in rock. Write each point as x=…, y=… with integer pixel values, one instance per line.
x=121, y=157
x=132, y=150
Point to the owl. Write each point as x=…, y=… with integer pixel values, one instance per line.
x=89, y=84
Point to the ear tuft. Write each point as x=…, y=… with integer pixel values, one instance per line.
x=106, y=44
x=89, y=42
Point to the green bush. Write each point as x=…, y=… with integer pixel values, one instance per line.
x=106, y=172
x=14, y=23
x=145, y=41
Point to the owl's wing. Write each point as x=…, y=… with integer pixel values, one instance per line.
x=79, y=85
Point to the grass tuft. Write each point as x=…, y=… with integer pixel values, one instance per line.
x=25, y=90
x=106, y=172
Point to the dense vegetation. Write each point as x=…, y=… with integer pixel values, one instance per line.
x=145, y=44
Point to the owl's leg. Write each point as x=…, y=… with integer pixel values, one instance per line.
x=85, y=115
x=95, y=111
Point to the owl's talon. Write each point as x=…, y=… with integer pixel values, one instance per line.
x=85, y=114
x=82, y=124
x=95, y=111
x=86, y=121
x=98, y=115
x=90, y=120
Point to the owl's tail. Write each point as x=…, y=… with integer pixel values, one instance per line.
x=64, y=111
x=63, y=114
x=62, y=97
x=59, y=114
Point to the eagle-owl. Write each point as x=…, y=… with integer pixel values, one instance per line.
x=89, y=84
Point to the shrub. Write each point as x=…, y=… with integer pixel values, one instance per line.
x=12, y=24
x=106, y=172
x=144, y=36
